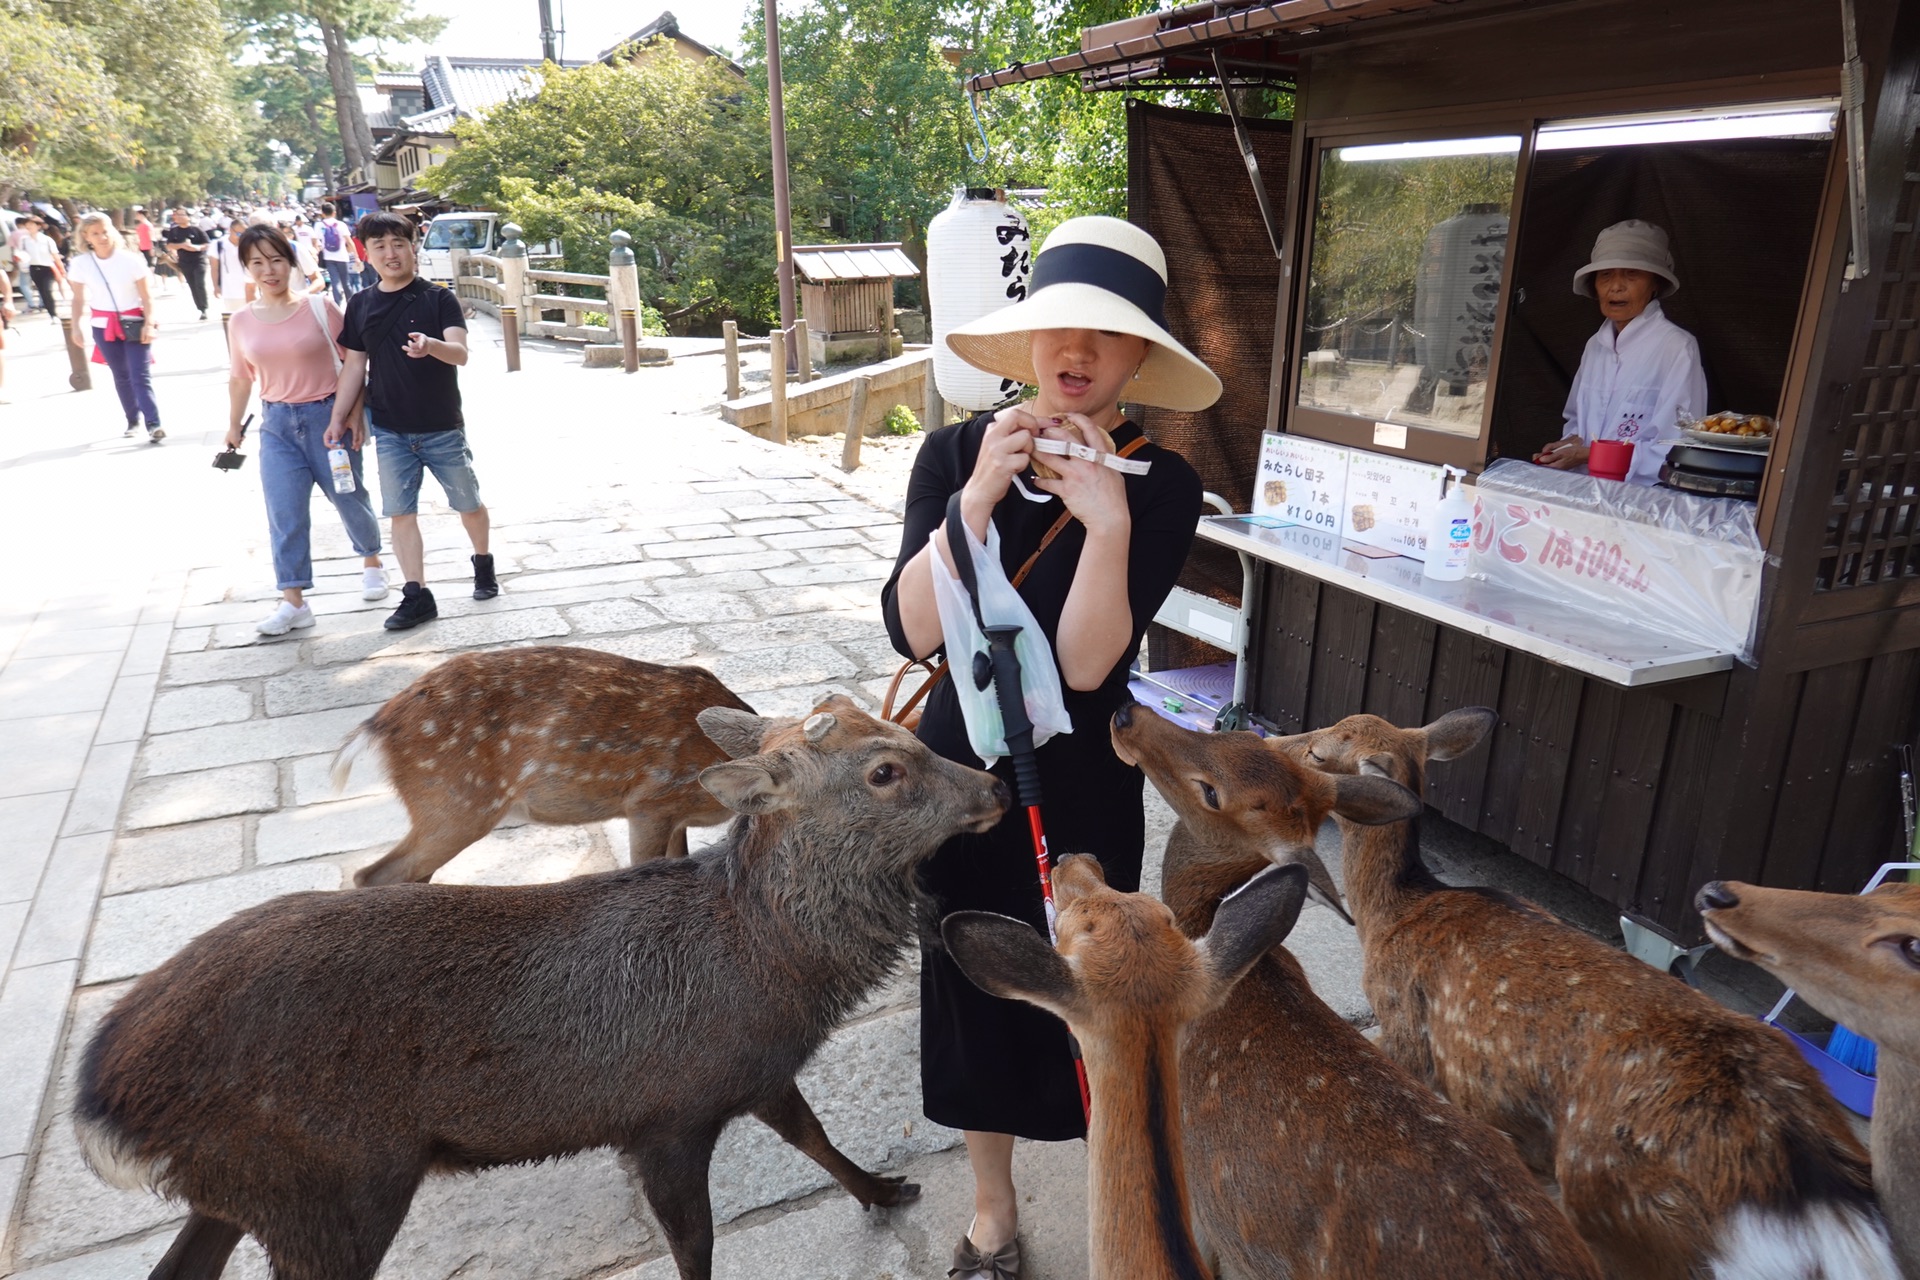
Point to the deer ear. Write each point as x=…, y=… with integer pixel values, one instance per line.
x=735, y=732
x=1372, y=801
x=1007, y=958
x=746, y=786
x=1253, y=920
x=1458, y=732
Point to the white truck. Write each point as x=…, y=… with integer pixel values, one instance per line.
x=474, y=232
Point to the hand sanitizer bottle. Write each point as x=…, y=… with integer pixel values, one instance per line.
x=1450, y=533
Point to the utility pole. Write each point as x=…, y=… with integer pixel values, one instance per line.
x=547, y=32
x=782, y=207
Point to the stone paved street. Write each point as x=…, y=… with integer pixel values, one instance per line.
x=162, y=766
x=165, y=767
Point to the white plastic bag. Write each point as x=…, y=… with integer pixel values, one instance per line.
x=1000, y=605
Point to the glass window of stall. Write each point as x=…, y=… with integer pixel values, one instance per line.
x=1399, y=318
x=1435, y=315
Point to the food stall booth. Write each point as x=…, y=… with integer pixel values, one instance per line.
x=1708, y=677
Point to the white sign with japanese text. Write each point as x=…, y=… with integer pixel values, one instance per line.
x=1388, y=502
x=1668, y=561
x=1301, y=481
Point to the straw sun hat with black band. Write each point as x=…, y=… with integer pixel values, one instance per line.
x=1094, y=273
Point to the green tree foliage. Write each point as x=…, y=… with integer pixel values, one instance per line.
x=55, y=97
x=874, y=112
x=672, y=151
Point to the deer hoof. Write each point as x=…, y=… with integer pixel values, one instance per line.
x=891, y=1191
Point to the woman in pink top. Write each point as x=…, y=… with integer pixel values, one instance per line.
x=286, y=342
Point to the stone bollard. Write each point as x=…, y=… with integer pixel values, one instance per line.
x=777, y=349
x=623, y=280
x=81, y=376
x=802, y=352
x=731, y=332
x=630, y=338
x=458, y=268
x=510, y=336
x=515, y=289
x=856, y=421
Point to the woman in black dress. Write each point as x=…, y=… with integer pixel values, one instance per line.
x=1090, y=334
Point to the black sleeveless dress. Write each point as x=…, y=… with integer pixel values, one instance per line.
x=1003, y=1066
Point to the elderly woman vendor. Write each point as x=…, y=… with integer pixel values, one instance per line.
x=1641, y=372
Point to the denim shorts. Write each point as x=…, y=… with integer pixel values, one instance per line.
x=405, y=456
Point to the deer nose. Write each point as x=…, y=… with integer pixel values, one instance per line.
x=1124, y=716
x=1002, y=795
x=1715, y=895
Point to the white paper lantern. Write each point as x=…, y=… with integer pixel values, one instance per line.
x=979, y=254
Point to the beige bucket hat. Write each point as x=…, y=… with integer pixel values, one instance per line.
x=1094, y=273
x=1633, y=243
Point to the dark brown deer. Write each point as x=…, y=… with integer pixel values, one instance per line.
x=1311, y=1153
x=1856, y=959
x=294, y=1072
x=1127, y=982
x=1687, y=1140
x=564, y=735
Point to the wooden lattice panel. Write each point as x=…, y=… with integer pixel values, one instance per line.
x=1873, y=526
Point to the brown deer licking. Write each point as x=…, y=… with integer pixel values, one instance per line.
x=1311, y=1154
x=1687, y=1140
x=1857, y=960
x=294, y=1072
x=564, y=735
x=1127, y=981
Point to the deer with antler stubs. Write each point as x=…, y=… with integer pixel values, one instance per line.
x=1856, y=959
x=1311, y=1153
x=1687, y=1140
x=1128, y=982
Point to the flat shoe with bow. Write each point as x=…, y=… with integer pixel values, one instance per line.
x=969, y=1263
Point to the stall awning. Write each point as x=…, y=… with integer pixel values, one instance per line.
x=1258, y=41
x=820, y=263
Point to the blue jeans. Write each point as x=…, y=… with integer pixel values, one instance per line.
x=405, y=457
x=132, y=365
x=342, y=279
x=293, y=459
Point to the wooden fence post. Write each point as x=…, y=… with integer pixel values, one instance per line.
x=731, y=332
x=458, y=268
x=777, y=348
x=935, y=416
x=510, y=336
x=803, y=351
x=856, y=419
x=80, y=370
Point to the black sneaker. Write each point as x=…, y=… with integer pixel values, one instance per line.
x=416, y=607
x=485, y=585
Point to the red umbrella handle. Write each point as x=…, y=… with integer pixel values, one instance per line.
x=1044, y=863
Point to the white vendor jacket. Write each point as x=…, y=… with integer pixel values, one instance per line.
x=1634, y=385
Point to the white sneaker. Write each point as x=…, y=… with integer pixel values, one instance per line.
x=285, y=619
x=374, y=585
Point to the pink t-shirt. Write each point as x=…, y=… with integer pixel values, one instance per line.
x=288, y=359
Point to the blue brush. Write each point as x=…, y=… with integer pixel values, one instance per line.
x=1853, y=1050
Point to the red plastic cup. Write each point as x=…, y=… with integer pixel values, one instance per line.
x=1610, y=459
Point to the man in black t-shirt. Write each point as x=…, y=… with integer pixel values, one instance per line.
x=187, y=248
x=405, y=341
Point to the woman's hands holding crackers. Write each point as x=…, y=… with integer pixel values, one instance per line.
x=1006, y=450
x=1095, y=494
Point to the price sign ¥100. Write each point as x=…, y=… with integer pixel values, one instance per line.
x=1301, y=481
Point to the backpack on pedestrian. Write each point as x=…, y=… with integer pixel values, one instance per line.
x=330, y=236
